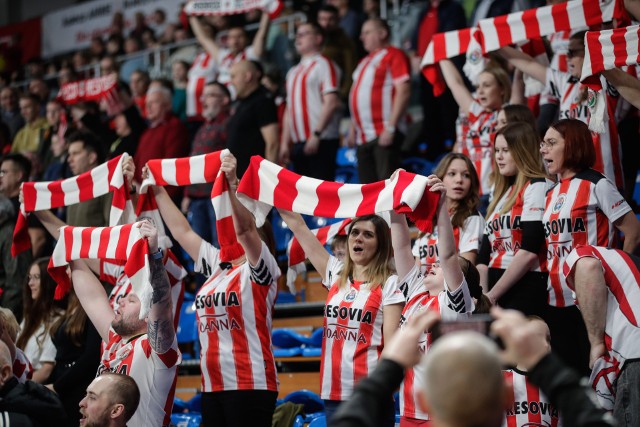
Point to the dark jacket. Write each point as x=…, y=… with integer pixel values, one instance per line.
x=29, y=405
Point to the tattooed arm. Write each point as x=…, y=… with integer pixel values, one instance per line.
x=160, y=321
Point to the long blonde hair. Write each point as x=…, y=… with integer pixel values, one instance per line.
x=379, y=269
x=523, y=143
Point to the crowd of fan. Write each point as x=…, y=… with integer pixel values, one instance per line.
x=246, y=93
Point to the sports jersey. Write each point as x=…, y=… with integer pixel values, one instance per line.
x=451, y=305
x=227, y=59
x=234, y=309
x=307, y=82
x=478, y=143
x=352, y=333
x=114, y=274
x=560, y=46
x=372, y=93
x=622, y=277
x=530, y=408
x=22, y=368
x=202, y=71
x=504, y=231
x=155, y=375
x=467, y=238
x=607, y=144
x=578, y=211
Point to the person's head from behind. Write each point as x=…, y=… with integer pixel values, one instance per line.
x=374, y=34
x=575, y=54
x=542, y=329
x=515, y=113
x=9, y=323
x=6, y=364
x=29, y=107
x=463, y=381
x=84, y=153
x=245, y=77
x=158, y=103
x=111, y=399
x=215, y=99
x=461, y=182
x=309, y=38
x=493, y=88
x=328, y=18
x=339, y=246
x=14, y=170
x=567, y=148
x=368, y=250
x=237, y=39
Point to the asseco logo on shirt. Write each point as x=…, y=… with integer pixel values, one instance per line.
x=351, y=296
x=559, y=202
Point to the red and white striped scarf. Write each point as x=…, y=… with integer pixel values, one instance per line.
x=122, y=243
x=195, y=170
x=606, y=50
x=207, y=7
x=88, y=90
x=266, y=184
x=297, y=255
x=101, y=180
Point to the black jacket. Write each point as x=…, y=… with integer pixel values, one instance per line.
x=29, y=405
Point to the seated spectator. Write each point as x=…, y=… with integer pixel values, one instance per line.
x=40, y=313
x=140, y=25
x=54, y=132
x=39, y=88
x=111, y=400
x=350, y=20
x=96, y=48
x=158, y=21
x=135, y=62
x=10, y=111
x=139, y=85
x=128, y=125
x=9, y=329
x=108, y=65
x=28, y=404
x=115, y=45
x=27, y=139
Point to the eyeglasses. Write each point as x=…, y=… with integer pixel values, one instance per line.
x=302, y=34
x=33, y=277
x=548, y=144
x=575, y=52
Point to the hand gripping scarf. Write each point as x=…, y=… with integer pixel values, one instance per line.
x=265, y=185
x=121, y=243
x=196, y=170
x=606, y=50
x=103, y=179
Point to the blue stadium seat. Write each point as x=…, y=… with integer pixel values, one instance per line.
x=287, y=352
x=346, y=157
x=311, y=352
x=321, y=421
x=298, y=421
x=418, y=165
x=285, y=297
x=186, y=420
x=179, y=406
x=187, y=332
x=316, y=338
x=287, y=338
x=282, y=235
x=311, y=401
x=195, y=403
x=347, y=175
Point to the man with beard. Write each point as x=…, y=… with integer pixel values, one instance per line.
x=111, y=401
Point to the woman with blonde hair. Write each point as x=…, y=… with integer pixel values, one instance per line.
x=511, y=257
x=461, y=183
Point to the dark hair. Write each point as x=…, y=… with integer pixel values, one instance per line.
x=220, y=86
x=579, y=152
x=30, y=97
x=339, y=239
x=578, y=36
x=74, y=321
x=316, y=28
x=329, y=8
x=125, y=391
x=472, y=277
x=90, y=143
x=516, y=113
x=21, y=163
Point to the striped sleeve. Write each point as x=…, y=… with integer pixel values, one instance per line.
x=456, y=302
x=266, y=272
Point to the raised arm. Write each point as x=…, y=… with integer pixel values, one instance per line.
x=627, y=85
x=401, y=242
x=456, y=85
x=93, y=298
x=311, y=246
x=260, y=39
x=177, y=223
x=243, y=220
x=525, y=63
x=208, y=43
x=447, y=251
x=160, y=322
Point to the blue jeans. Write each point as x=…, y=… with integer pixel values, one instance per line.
x=626, y=409
x=203, y=220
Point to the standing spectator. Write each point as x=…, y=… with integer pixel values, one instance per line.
x=27, y=404
x=10, y=111
x=12, y=269
x=135, y=62
x=311, y=121
x=27, y=140
x=128, y=126
x=77, y=346
x=158, y=21
x=166, y=136
x=253, y=127
x=52, y=134
x=350, y=20
x=338, y=46
x=439, y=113
x=39, y=88
x=583, y=208
x=40, y=313
x=96, y=48
x=210, y=137
x=180, y=78
x=140, y=26
x=108, y=65
x=139, y=85
x=378, y=101
x=606, y=284
x=111, y=400
x=85, y=152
